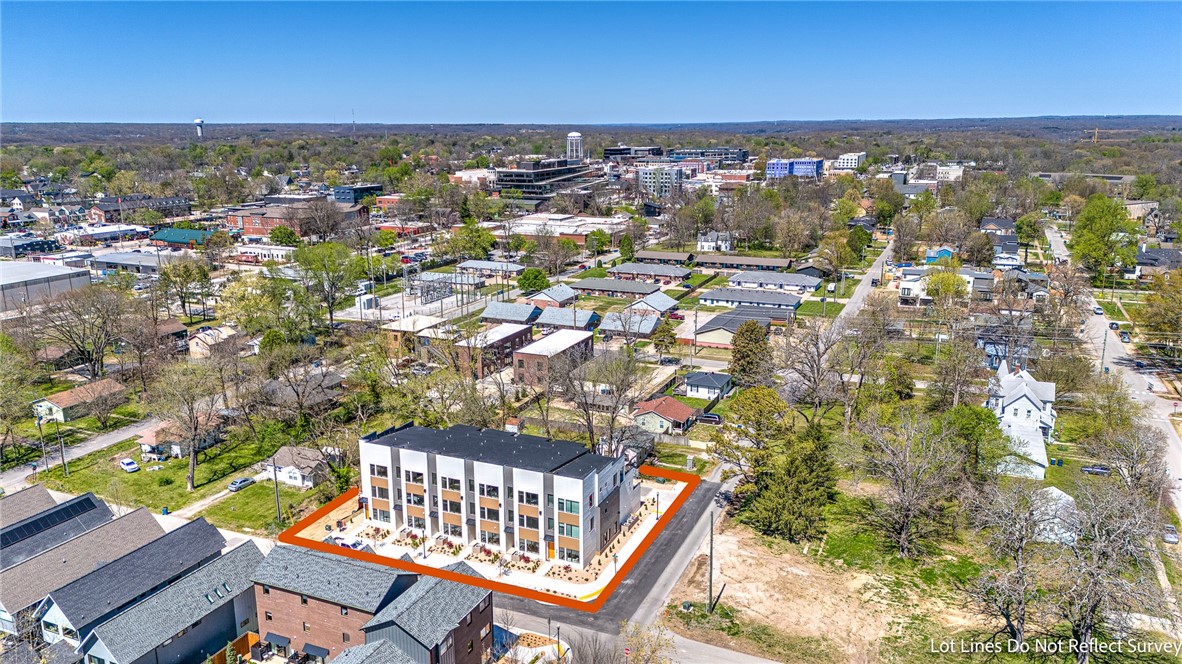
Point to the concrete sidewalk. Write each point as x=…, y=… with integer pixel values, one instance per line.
x=14, y=478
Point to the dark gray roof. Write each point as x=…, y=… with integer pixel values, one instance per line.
x=489, y=446
x=432, y=607
x=565, y=317
x=510, y=311
x=650, y=269
x=723, y=259
x=47, y=529
x=378, y=652
x=637, y=322
x=615, y=285
x=328, y=577
x=24, y=504
x=1161, y=258
x=558, y=293
x=118, y=583
x=1002, y=223
x=765, y=278
x=679, y=256
x=707, y=379
x=751, y=296
x=731, y=320
x=142, y=628
x=61, y=652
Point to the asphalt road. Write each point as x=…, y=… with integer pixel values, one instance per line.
x=863, y=290
x=649, y=582
x=13, y=479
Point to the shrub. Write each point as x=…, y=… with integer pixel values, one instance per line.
x=164, y=480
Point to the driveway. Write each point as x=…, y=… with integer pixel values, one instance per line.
x=14, y=478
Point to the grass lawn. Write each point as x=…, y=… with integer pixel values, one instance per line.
x=602, y=304
x=1112, y=311
x=674, y=456
x=17, y=455
x=693, y=402
x=815, y=307
x=596, y=272
x=446, y=269
x=392, y=288
x=252, y=509
x=723, y=407
x=99, y=472
x=698, y=279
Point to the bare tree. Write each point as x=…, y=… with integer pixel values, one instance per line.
x=1138, y=455
x=321, y=219
x=651, y=644
x=918, y=463
x=588, y=647
x=602, y=390
x=85, y=320
x=142, y=340
x=960, y=373
x=188, y=394
x=101, y=403
x=805, y=358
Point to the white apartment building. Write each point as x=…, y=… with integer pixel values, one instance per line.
x=849, y=161
x=659, y=182
x=507, y=491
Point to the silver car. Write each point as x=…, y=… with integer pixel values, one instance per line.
x=1169, y=534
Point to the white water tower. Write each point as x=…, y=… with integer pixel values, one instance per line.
x=574, y=146
x=200, y=124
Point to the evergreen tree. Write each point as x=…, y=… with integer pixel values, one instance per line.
x=664, y=338
x=751, y=355
x=627, y=251
x=793, y=491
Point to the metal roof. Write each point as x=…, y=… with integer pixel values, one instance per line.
x=14, y=272
x=615, y=285
x=555, y=343
x=564, y=317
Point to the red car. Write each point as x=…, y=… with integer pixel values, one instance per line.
x=676, y=316
x=406, y=260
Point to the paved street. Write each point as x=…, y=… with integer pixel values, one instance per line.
x=858, y=299
x=14, y=478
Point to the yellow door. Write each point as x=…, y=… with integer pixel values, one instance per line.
x=550, y=550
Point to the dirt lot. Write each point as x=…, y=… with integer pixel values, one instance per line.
x=830, y=606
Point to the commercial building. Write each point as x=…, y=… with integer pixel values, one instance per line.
x=15, y=247
x=802, y=168
x=849, y=161
x=31, y=282
x=261, y=253
x=710, y=154
x=492, y=350
x=659, y=182
x=623, y=288
x=719, y=331
x=99, y=233
x=544, y=225
x=352, y=194
x=531, y=363
x=135, y=262
x=258, y=222
x=628, y=153
x=115, y=209
x=546, y=498
x=541, y=179
x=180, y=237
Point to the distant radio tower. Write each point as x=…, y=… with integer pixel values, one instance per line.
x=200, y=125
x=574, y=146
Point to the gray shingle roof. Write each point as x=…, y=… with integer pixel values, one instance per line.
x=565, y=317
x=24, y=504
x=26, y=584
x=762, y=279
x=141, y=628
x=432, y=607
x=656, y=301
x=378, y=652
x=650, y=270
x=636, y=322
x=615, y=285
x=558, y=293
x=328, y=577
x=118, y=583
x=49, y=528
x=742, y=296
x=707, y=379
x=510, y=312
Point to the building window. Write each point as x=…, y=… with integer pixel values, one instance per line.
x=381, y=515
x=527, y=498
x=549, y=523
x=453, y=506
x=567, y=530
x=378, y=471
x=267, y=616
x=379, y=492
x=528, y=545
x=549, y=500
x=484, y=632
x=307, y=627
x=91, y=659
x=490, y=491
x=569, y=555
x=489, y=537
x=344, y=610
x=471, y=485
x=469, y=646
x=413, y=477
x=568, y=506
x=417, y=522
x=415, y=499
x=527, y=521
x=450, y=483
x=520, y=364
x=266, y=589
x=303, y=599
x=344, y=637
x=490, y=514
x=453, y=530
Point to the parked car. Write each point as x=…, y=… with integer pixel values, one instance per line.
x=673, y=315
x=1099, y=311
x=1096, y=470
x=710, y=418
x=1114, y=326
x=1169, y=534
x=1139, y=364
x=241, y=483
x=128, y=465
x=1125, y=338
x=421, y=371
x=670, y=361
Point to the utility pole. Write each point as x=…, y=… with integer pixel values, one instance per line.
x=275, y=480
x=710, y=570
x=61, y=445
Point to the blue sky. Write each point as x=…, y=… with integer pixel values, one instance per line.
x=593, y=62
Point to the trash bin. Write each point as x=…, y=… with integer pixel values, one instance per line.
x=164, y=511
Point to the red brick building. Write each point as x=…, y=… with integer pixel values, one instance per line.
x=492, y=350
x=531, y=364
x=260, y=221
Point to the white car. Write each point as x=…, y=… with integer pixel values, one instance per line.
x=128, y=465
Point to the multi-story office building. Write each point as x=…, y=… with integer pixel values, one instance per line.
x=351, y=194
x=710, y=154
x=547, y=498
x=849, y=161
x=626, y=153
x=801, y=168
x=541, y=179
x=659, y=182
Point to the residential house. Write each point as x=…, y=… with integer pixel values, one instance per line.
x=1025, y=412
x=20, y=505
x=663, y=257
x=201, y=345
x=644, y=271
x=622, y=288
x=1029, y=285
x=1004, y=340
x=75, y=402
x=629, y=324
x=715, y=241
x=742, y=263
x=663, y=415
x=166, y=440
x=403, y=334
x=437, y=620
x=190, y=619
x=301, y=467
x=814, y=269
x=25, y=584
x=510, y=312
x=868, y=224
x=941, y=253
x=782, y=281
x=707, y=385
x=997, y=226
x=657, y=304
x=719, y=331
x=71, y=612
x=1005, y=244
x=913, y=285
x=48, y=528
x=531, y=364
x=558, y=295
x=1156, y=261
x=314, y=390
x=1006, y=261
x=567, y=318
x=746, y=297
x=490, y=351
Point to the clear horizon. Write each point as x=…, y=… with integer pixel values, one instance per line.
x=621, y=64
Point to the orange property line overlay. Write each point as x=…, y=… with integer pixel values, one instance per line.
x=292, y=536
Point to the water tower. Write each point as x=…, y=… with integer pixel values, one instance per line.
x=574, y=146
x=200, y=124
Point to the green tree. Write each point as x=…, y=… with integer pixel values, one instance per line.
x=859, y=239
x=185, y=280
x=284, y=236
x=664, y=338
x=924, y=205
x=598, y=241
x=385, y=239
x=976, y=428
x=1103, y=236
x=792, y=492
x=470, y=241
x=533, y=279
x=328, y=274
x=1162, y=313
x=146, y=217
x=846, y=210
x=1029, y=227
x=627, y=250
x=946, y=287
x=217, y=246
x=751, y=355
x=758, y=428
x=272, y=339
x=1144, y=186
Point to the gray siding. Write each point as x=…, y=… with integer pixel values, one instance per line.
x=394, y=634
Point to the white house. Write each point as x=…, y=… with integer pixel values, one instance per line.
x=706, y=385
x=1025, y=412
x=301, y=467
x=715, y=241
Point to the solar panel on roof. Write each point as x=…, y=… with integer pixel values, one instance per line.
x=18, y=532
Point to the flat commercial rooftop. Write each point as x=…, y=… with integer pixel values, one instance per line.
x=12, y=272
x=555, y=343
